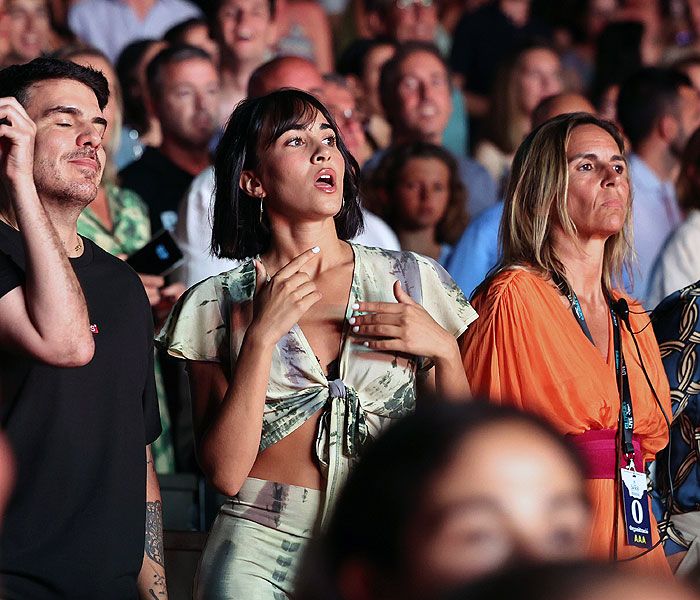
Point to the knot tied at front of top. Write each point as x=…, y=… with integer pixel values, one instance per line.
x=354, y=427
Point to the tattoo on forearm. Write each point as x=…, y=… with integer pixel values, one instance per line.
x=158, y=590
x=150, y=470
x=154, y=532
x=159, y=581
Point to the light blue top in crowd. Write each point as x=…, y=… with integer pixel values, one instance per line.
x=476, y=252
x=110, y=25
x=655, y=215
x=456, y=136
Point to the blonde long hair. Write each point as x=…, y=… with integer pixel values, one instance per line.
x=536, y=198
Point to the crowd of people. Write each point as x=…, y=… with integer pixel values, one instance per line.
x=432, y=324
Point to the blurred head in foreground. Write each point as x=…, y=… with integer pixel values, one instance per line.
x=571, y=581
x=445, y=496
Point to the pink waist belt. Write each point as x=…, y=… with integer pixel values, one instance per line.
x=597, y=450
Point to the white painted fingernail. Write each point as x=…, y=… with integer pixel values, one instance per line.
x=355, y=306
x=315, y=249
x=356, y=329
x=365, y=344
x=351, y=320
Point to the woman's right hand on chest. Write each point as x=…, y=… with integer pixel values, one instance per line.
x=280, y=302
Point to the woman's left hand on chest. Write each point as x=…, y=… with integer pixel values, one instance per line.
x=401, y=326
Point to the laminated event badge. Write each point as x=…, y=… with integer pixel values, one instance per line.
x=636, y=503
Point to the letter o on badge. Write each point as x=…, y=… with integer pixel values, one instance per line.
x=637, y=512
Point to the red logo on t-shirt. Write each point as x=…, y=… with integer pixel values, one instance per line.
x=93, y=328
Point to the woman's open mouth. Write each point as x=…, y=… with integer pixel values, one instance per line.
x=325, y=180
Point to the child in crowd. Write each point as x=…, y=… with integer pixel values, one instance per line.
x=417, y=190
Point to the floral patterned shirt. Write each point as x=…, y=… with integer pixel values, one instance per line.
x=131, y=228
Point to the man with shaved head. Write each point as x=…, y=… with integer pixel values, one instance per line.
x=286, y=72
x=476, y=253
x=560, y=104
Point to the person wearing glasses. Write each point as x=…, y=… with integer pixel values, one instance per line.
x=404, y=20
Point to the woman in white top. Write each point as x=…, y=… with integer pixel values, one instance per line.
x=298, y=357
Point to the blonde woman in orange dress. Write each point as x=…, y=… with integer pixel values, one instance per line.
x=552, y=327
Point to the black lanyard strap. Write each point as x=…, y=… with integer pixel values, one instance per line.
x=623, y=388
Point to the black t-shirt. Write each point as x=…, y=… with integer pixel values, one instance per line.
x=160, y=183
x=10, y=275
x=75, y=524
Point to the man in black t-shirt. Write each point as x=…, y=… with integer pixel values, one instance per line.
x=183, y=86
x=85, y=519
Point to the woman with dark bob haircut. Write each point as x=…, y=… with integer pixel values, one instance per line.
x=241, y=224
x=461, y=490
x=308, y=349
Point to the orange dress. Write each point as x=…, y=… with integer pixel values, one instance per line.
x=527, y=350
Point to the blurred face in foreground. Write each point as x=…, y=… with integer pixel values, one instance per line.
x=509, y=493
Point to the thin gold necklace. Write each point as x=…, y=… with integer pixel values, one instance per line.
x=77, y=249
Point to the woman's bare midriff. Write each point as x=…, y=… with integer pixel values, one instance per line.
x=292, y=460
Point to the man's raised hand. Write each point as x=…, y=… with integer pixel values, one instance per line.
x=17, y=132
